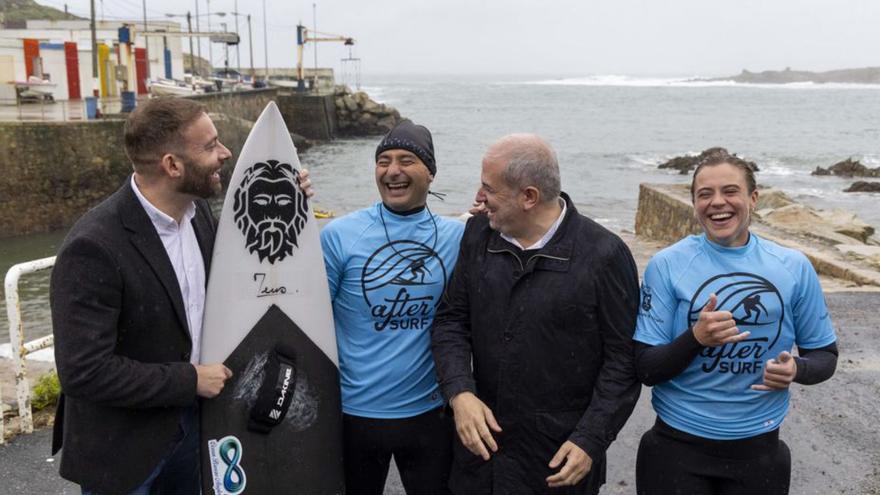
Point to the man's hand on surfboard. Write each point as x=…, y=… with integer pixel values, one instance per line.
x=305, y=183
x=210, y=379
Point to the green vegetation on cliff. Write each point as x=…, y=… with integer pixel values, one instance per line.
x=14, y=13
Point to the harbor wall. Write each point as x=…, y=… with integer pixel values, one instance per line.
x=665, y=213
x=52, y=172
x=311, y=116
x=241, y=104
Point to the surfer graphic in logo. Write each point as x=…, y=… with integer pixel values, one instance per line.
x=646, y=298
x=756, y=306
x=270, y=209
x=396, y=282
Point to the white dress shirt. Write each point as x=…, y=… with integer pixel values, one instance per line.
x=185, y=255
x=547, y=236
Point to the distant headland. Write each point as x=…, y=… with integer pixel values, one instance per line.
x=865, y=75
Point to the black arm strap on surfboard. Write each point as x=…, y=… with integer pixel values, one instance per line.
x=276, y=391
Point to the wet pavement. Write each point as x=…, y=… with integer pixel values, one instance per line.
x=832, y=428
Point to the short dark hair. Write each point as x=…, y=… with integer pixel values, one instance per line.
x=720, y=156
x=156, y=127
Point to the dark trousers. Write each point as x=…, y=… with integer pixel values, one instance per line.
x=672, y=462
x=421, y=447
x=177, y=474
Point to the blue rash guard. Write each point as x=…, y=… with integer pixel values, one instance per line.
x=385, y=285
x=772, y=291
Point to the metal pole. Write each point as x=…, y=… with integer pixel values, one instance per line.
x=251, y=45
x=198, y=30
x=146, y=40
x=192, y=60
x=210, y=44
x=237, y=45
x=96, y=90
x=226, y=48
x=265, y=40
x=315, y=29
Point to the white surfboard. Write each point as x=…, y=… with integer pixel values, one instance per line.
x=268, y=317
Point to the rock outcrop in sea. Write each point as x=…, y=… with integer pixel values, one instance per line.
x=864, y=186
x=864, y=75
x=685, y=163
x=359, y=115
x=848, y=168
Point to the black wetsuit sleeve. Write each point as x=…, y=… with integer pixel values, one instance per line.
x=657, y=364
x=816, y=365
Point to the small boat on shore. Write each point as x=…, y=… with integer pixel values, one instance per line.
x=35, y=89
x=170, y=87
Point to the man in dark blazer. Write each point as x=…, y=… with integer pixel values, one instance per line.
x=127, y=297
x=533, y=337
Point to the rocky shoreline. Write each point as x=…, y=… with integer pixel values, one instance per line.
x=848, y=168
x=685, y=164
x=359, y=115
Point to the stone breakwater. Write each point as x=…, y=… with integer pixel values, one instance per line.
x=359, y=115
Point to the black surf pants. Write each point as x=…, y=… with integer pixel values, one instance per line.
x=673, y=462
x=421, y=447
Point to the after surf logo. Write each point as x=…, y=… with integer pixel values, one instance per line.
x=756, y=306
x=227, y=474
x=270, y=209
x=400, y=284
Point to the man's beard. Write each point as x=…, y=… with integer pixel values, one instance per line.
x=197, y=180
x=270, y=238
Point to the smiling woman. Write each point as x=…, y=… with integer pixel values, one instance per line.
x=719, y=316
x=724, y=193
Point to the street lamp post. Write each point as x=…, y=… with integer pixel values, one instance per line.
x=189, y=17
x=192, y=59
x=96, y=84
x=189, y=28
x=146, y=40
x=210, y=44
x=226, y=47
x=251, y=45
x=238, y=45
x=198, y=30
x=265, y=41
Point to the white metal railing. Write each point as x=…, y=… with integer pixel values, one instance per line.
x=19, y=347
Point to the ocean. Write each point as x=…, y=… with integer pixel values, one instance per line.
x=610, y=133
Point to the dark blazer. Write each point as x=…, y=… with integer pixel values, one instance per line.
x=542, y=337
x=122, y=344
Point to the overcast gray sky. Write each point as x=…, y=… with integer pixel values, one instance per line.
x=565, y=37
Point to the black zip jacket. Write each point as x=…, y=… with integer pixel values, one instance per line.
x=544, y=338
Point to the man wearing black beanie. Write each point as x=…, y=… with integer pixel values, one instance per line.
x=387, y=266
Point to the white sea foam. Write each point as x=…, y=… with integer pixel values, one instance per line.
x=682, y=82
x=646, y=160
x=870, y=161
x=775, y=167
